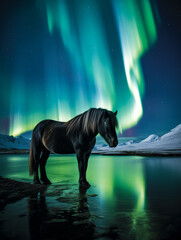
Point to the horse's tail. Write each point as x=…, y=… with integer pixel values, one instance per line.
x=36, y=146
x=31, y=158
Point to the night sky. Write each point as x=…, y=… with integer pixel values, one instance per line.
x=58, y=58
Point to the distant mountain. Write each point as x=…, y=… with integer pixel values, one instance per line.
x=151, y=138
x=10, y=142
x=168, y=144
x=26, y=134
x=173, y=135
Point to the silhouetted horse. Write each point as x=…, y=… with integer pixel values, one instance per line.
x=75, y=136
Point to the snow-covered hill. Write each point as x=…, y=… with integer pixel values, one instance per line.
x=10, y=142
x=168, y=144
x=151, y=138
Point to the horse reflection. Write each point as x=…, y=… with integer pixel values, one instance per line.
x=55, y=221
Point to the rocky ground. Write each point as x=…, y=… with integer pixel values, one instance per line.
x=12, y=191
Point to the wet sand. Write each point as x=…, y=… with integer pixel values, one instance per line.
x=12, y=191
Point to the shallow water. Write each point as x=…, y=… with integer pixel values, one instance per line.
x=130, y=197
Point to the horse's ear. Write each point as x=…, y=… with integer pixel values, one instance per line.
x=115, y=113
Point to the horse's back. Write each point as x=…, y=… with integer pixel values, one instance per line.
x=53, y=136
x=45, y=123
x=39, y=130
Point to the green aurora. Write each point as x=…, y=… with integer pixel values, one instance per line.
x=90, y=57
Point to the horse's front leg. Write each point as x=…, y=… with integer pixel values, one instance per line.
x=86, y=158
x=82, y=159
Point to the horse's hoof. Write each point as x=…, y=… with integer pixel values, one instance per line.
x=84, y=184
x=46, y=182
x=36, y=182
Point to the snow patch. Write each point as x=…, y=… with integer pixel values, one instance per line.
x=168, y=144
x=151, y=138
x=175, y=133
x=10, y=142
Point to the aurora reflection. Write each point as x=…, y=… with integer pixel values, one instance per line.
x=85, y=54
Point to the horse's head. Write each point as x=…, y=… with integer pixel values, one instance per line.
x=107, y=127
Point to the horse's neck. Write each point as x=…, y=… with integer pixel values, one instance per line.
x=92, y=132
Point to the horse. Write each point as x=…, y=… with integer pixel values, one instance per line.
x=77, y=135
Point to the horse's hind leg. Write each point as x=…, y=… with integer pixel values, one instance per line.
x=43, y=161
x=36, y=179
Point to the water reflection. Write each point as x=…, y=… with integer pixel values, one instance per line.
x=54, y=221
x=37, y=212
x=138, y=196
x=83, y=204
x=120, y=177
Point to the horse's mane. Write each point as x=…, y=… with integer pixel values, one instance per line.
x=87, y=121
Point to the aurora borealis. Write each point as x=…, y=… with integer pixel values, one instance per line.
x=61, y=57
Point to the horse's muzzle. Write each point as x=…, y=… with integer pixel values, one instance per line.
x=113, y=143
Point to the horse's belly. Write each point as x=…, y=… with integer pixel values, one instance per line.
x=63, y=149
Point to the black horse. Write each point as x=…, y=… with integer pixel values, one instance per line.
x=75, y=136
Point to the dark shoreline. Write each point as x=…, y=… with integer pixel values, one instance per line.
x=123, y=153
x=13, y=190
x=14, y=151
x=135, y=153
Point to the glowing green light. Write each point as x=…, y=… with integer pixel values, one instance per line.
x=120, y=179
x=79, y=68
x=137, y=32
x=134, y=180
